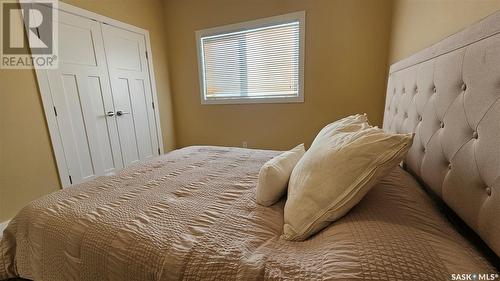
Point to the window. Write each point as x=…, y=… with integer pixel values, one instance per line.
x=259, y=61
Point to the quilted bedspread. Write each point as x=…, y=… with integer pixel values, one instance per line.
x=191, y=215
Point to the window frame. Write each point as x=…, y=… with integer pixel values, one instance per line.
x=243, y=26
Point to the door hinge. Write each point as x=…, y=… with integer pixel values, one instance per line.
x=55, y=111
x=153, y=104
x=159, y=152
x=70, y=180
x=147, y=55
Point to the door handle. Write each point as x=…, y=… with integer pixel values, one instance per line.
x=120, y=112
x=110, y=114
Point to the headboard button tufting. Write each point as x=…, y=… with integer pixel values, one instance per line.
x=465, y=69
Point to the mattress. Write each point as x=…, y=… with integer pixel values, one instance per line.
x=191, y=215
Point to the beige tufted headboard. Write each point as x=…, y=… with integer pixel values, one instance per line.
x=449, y=95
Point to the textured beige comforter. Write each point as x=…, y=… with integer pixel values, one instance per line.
x=192, y=215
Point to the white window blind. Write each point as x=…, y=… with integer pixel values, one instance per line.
x=258, y=61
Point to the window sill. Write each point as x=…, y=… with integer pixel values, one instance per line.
x=253, y=100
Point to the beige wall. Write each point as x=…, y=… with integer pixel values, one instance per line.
x=418, y=24
x=27, y=166
x=345, y=69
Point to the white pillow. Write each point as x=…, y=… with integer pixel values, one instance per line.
x=347, y=124
x=274, y=175
x=344, y=162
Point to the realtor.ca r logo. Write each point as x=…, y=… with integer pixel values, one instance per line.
x=29, y=34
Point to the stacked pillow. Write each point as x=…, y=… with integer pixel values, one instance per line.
x=346, y=159
x=274, y=175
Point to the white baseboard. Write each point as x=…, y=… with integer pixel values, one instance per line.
x=3, y=225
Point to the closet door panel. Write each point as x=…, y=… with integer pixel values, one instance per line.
x=76, y=42
x=72, y=126
x=102, y=122
x=129, y=74
x=126, y=126
x=140, y=113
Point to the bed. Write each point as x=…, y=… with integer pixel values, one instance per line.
x=191, y=214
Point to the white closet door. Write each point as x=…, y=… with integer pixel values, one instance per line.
x=131, y=88
x=81, y=95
